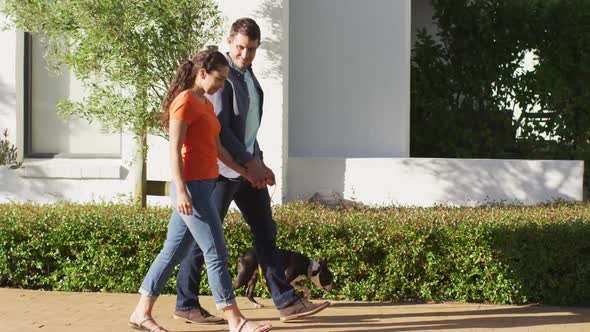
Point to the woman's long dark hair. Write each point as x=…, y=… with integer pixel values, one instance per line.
x=185, y=76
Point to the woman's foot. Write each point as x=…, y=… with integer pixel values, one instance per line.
x=144, y=323
x=250, y=326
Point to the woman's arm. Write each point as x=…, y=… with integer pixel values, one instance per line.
x=177, y=132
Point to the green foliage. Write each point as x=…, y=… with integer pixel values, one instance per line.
x=8, y=152
x=488, y=254
x=466, y=84
x=563, y=47
x=124, y=51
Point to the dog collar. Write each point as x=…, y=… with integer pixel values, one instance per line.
x=313, y=272
x=313, y=268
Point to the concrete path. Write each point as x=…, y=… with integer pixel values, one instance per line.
x=25, y=310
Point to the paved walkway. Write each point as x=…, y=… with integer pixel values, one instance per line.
x=24, y=310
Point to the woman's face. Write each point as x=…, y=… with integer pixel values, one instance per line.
x=214, y=80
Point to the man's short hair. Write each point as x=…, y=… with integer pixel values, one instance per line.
x=247, y=27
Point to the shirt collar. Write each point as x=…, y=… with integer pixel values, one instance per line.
x=234, y=67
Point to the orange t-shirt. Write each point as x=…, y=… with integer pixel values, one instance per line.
x=199, y=149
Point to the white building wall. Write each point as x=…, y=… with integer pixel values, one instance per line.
x=339, y=142
x=429, y=181
x=8, y=86
x=50, y=180
x=370, y=166
x=349, y=89
x=349, y=78
x=76, y=135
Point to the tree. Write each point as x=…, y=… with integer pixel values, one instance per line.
x=562, y=43
x=467, y=82
x=123, y=51
x=462, y=81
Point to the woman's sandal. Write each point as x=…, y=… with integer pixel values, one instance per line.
x=262, y=328
x=139, y=326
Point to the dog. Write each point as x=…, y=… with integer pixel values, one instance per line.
x=297, y=267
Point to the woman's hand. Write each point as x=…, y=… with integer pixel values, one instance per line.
x=184, y=203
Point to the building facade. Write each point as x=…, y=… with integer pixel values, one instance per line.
x=336, y=75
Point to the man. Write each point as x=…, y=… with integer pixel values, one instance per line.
x=239, y=110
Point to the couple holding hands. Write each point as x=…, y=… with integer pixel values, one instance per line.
x=212, y=112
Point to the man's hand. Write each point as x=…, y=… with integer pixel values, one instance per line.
x=256, y=173
x=269, y=176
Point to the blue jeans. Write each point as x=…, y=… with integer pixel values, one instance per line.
x=256, y=210
x=202, y=230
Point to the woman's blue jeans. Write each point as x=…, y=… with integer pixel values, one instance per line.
x=257, y=212
x=204, y=227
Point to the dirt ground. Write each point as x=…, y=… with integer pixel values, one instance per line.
x=25, y=310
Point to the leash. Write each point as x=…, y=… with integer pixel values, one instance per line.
x=262, y=278
x=273, y=192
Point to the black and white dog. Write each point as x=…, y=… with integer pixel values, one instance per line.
x=297, y=267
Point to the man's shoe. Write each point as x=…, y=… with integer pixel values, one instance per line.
x=199, y=316
x=301, y=308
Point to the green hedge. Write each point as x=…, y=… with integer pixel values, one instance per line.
x=491, y=254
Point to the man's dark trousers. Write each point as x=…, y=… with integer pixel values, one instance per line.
x=256, y=210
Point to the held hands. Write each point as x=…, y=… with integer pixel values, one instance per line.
x=258, y=174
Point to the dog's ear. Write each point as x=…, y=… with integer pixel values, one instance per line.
x=323, y=262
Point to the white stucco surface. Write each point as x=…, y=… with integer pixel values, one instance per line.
x=349, y=81
x=430, y=181
x=336, y=118
x=8, y=86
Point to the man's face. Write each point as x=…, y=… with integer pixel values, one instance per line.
x=242, y=50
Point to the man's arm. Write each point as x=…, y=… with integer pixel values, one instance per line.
x=223, y=104
x=257, y=148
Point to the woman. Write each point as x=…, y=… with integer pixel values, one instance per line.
x=194, y=148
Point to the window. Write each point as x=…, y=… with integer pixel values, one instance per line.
x=46, y=134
